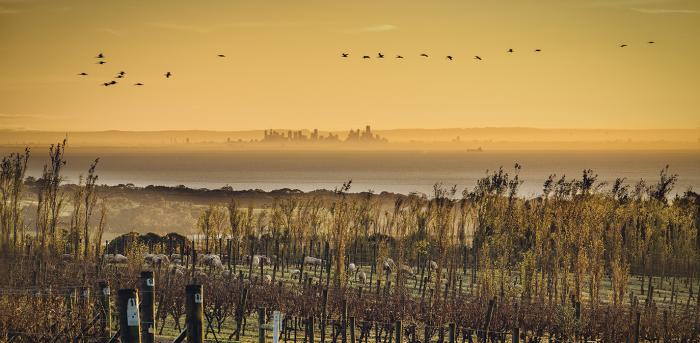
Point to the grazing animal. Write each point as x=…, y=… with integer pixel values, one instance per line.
x=212, y=261
x=313, y=261
x=362, y=277
x=352, y=268
x=407, y=270
x=267, y=279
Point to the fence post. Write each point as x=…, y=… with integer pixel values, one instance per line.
x=129, y=326
x=147, y=291
x=261, y=325
x=276, y=326
x=399, y=331
x=451, y=332
x=106, y=321
x=194, y=308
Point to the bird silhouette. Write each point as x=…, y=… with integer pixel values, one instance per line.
x=138, y=84
x=100, y=55
x=365, y=56
x=380, y=55
x=101, y=62
x=122, y=73
x=119, y=76
x=168, y=75
x=651, y=42
x=538, y=50
x=424, y=55
x=345, y=54
x=449, y=57
x=477, y=58
x=221, y=55
x=623, y=45
x=399, y=56
x=83, y=74
x=112, y=82
x=106, y=84
x=510, y=50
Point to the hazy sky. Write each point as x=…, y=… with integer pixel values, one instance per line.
x=283, y=67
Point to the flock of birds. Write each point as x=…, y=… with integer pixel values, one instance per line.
x=450, y=57
x=122, y=74
x=167, y=75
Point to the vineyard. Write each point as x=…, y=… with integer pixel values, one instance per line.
x=584, y=261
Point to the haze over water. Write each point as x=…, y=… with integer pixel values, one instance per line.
x=392, y=171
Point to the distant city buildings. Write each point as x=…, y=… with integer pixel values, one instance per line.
x=299, y=136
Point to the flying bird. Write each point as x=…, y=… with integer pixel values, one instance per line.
x=221, y=55
x=651, y=42
x=380, y=55
x=365, y=56
x=510, y=50
x=345, y=54
x=119, y=76
x=424, y=55
x=623, y=45
x=399, y=56
x=449, y=57
x=477, y=58
x=138, y=84
x=101, y=62
x=106, y=84
x=112, y=82
x=100, y=55
x=122, y=73
x=83, y=74
x=538, y=50
x=168, y=75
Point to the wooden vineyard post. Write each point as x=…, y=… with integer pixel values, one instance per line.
x=516, y=326
x=276, y=326
x=451, y=333
x=194, y=316
x=489, y=315
x=352, y=329
x=106, y=321
x=399, y=331
x=636, y=327
x=148, y=306
x=240, y=312
x=129, y=325
x=309, y=329
x=324, y=305
x=344, y=321
x=261, y=325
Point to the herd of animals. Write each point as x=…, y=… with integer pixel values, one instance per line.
x=212, y=265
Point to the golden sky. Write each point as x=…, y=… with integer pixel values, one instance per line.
x=283, y=67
